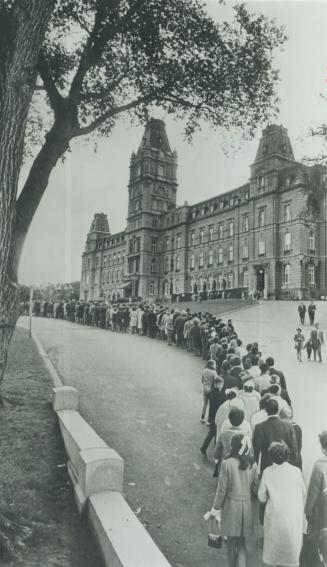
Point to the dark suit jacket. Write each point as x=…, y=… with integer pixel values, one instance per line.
x=273, y=429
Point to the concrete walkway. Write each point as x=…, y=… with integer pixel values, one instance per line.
x=144, y=399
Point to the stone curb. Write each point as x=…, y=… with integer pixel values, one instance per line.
x=96, y=473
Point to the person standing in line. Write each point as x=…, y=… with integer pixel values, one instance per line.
x=133, y=320
x=312, y=313
x=209, y=374
x=233, y=499
x=302, y=311
x=299, y=342
x=316, y=503
x=273, y=429
x=282, y=490
x=216, y=398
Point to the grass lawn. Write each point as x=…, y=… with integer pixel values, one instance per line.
x=35, y=489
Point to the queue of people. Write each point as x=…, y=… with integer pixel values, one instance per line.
x=248, y=410
x=257, y=455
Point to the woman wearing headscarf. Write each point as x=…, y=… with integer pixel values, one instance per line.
x=233, y=500
x=282, y=490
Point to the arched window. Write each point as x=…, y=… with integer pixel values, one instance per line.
x=210, y=234
x=287, y=274
x=287, y=241
x=220, y=230
x=201, y=236
x=201, y=260
x=262, y=245
x=312, y=241
x=210, y=258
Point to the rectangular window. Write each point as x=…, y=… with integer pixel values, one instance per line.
x=192, y=262
x=311, y=270
x=287, y=212
x=178, y=243
x=262, y=245
x=220, y=255
x=231, y=228
x=261, y=217
x=201, y=260
x=245, y=223
x=211, y=234
x=312, y=241
x=287, y=242
x=246, y=279
x=152, y=288
x=230, y=253
x=210, y=258
x=192, y=238
x=154, y=245
x=245, y=253
x=201, y=236
x=220, y=230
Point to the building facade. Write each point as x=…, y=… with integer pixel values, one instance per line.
x=266, y=238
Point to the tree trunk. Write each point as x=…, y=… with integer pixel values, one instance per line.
x=22, y=31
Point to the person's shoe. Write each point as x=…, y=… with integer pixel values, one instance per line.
x=203, y=452
x=208, y=423
x=202, y=420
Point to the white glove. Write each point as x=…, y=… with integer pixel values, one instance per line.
x=214, y=513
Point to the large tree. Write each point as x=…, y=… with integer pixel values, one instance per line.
x=89, y=62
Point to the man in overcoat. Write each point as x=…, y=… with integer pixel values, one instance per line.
x=273, y=429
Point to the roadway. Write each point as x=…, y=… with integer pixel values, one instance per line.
x=144, y=398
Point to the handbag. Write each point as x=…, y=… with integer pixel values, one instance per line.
x=214, y=539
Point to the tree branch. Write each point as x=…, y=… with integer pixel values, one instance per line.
x=92, y=49
x=113, y=112
x=56, y=99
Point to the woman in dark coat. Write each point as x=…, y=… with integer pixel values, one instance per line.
x=195, y=335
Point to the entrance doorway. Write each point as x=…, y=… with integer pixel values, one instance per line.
x=260, y=280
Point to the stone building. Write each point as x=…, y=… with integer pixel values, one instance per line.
x=267, y=237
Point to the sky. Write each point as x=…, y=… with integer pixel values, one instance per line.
x=89, y=182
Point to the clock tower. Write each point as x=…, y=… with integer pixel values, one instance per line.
x=152, y=192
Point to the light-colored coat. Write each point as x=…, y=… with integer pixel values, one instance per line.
x=282, y=488
x=233, y=498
